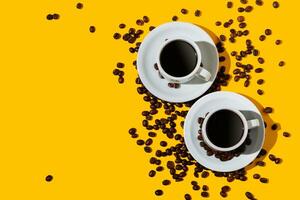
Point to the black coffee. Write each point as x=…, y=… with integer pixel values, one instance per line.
x=178, y=58
x=224, y=128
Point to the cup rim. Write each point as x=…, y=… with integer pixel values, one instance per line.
x=238, y=144
x=197, y=67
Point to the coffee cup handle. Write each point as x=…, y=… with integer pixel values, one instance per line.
x=252, y=123
x=203, y=74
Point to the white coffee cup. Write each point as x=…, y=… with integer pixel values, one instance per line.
x=198, y=71
x=247, y=125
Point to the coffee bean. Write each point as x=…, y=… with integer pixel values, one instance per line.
x=121, y=79
x=218, y=23
x=148, y=149
x=117, y=36
x=229, y=4
x=241, y=9
x=260, y=92
x=148, y=142
x=92, y=29
x=264, y=180
x=140, y=142
x=56, y=16
x=272, y=157
x=197, y=13
x=242, y=25
x=286, y=134
x=146, y=19
x=244, y=1
x=194, y=182
x=49, y=17
x=260, y=60
x=152, y=173
x=170, y=164
x=242, y=74
x=122, y=25
x=238, y=57
x=153, y=160
x=204, y=174
x=184, y=11
x=139, y=22
x=281, y=63
x=259, y=2
x=151, y=28
x=236, y=78
x=268, y=110
x=187, y=197
x=166, y=182
x=278, y=42
x=131, y=50
x=259, y=70
x=120, y=65
x=174, y=18
x=116, y=72
x=278, y=160
x=275, y=4
x=256, y=176
x=247, y=83
x=262, y=37
x=255, y=52
x=230, y=21
x=223, y=38
x=205, y=194
x=225, y=188
x=233, y=53
x=240, y=18
x=134, y=135
x=158, y=192
x=248, y=8
x=268, y=31
x=196, y=187
x=260, y=81
x=274, y=127
x=49, y=178
x=260, y=163
x=246, y=32
x=230, y=179
x=79, y=5
x=223, y=194
x=249, y=195
x=126, y=37
x=163, y=143
x=222, y=58
x=152, y=134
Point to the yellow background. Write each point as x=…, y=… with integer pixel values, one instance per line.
x=63, y=113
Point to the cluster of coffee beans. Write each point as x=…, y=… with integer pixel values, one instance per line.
x=223, y=156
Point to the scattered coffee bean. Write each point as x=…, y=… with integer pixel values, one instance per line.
x=275, y=4
x=197, y=13
x=218, y=23
x=223, y=194
x=264, y=180
x=121, y=79
x=256, y=176
x=117, y=36
x=163, y=143
x=49, y=17
x=259, y=70
x=196, y=187
x=244, y=1
x=184, y=11
x=260, y=92
x=92, y=29
x=56, y=16
x=247, y=83
x=148, y=149
x=122, y=26
x=140, y=142
x=204, y=174
x=278, y=160
x=146, y=19
x=159, y=168
x=158, y=192
x=248, y=8
x=148, y=142
x=278, y=42
x=241, y=9
x=286, y=134
x=49, y=178
x=260, y=163
x=229, y=4
x=187, y=197
x=79, y=5
x=225, y=188
x=272, y=157
x=268, y=110
x=166, y=182
x=262, y=37
x=255, y=52
x=139, y=22
x=281, y=63
x=241, y=18
x=268, y=31
x=174, y=18
x=152, y=173
x=260, y=81
x=204, y=194
x=151, y=28
x=274, y=127
x=249, y=195
x=120, y=65
x=259, y=2
x=242, y=25
x=223, y=38
x=260, y=60
x=222, y=58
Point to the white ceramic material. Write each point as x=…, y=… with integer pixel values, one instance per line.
x=247, y=124
x=147, y=57
x=198, y=71
x=207, y=104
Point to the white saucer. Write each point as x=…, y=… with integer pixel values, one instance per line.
x=200, y=108
x=147, y=58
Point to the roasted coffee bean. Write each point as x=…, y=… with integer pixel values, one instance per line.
x=255, y=52
x=274, y=127
x=140, y=142
x=194, y=182
x=229, y=4
x=187, y=197
x=260, y=60
x=152, y=173
x=223, y=38
x=79, y=5
x=260, y=92
x=174, y=18
x=268, y=31
x=242, y=25
x=126, y=37
x=170, y=164
x=260, y=163
x=204, y=174
x=225, y=188
x=259, y=70
x=148, y=149
x=197, y=13
x=256, y=176
x=244, y=1
x=121, y=26
x=148, y=142
x=232, y=40
x=246, y=32
x=205, y=194
x=184, y=11
x=56, y=16
x=152, y=160
x=134, y=135
x=249, y=195
x=139, y=22
x=222, y=58
x=259, y=2
x=116, y=72
x=264, y=180
x=226, y=24
x=121, y=79
x=49, y=17
x=278, y=42
x=159, y=168
x=163, y=143
x=166, y=182
x=223, y=194
x=230, y=21
x=238, y=57
x=151, y=28
x=92, y=29
x=242, y=74
x=241, y=9
x=131, y=50
x=120, y=65
x=146, y=19
x=196, y=187
x=262, y=37
x=152, y=134
x=218, y=23
x=260, y=81
x=158, y=192
x=248, y=8
x=275, y=4
x=240, y=18
x=49, y=178
x=230, y=179
x=286, y=134
x=247, y=83
x=272, y=157
x=268, y=110
x=281, y=63
x=278, y=160
x=236, y=78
